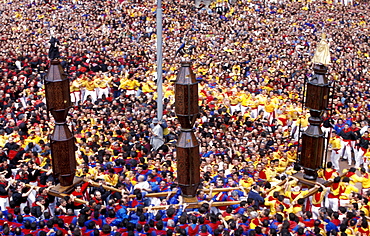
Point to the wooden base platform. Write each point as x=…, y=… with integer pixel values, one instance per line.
x=308, y=182
x=62, y=191
x=190, y=200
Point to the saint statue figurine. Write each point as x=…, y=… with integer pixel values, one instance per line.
x=54, y=49
x=322, y=54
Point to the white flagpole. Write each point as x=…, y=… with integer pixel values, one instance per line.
x=159, y=61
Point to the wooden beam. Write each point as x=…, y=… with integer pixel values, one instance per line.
x=192, y=205
x=94, y=184
x=42, y=169
x=160, y=194
x=164, y=194
x=217, y=190
x=278, y=185
x=110, y=188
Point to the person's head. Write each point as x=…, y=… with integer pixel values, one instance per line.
x=336, y=179
x=106, y=229
x=200, y=194
x=279, y=218
x=91, y=225
x=2, y=178
x=111, y=172
x=18, y=231
x=141, y=178
x=220, y=183
x=78, y=188
x=20, y=218
x=159, y=225
x=231, y=182
x=26, y=210
x=41, y=200
x=98, y=195
x=203, y=229
x=155, y=121
x=346, y=180
x=329, y=164
x=62, y=202
x=308, y=214
x=235, y=194
x=256, y=188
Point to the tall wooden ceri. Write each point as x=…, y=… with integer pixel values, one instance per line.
x=187, y=147
x=62, y=141
x=313, y=138
x=317, y=100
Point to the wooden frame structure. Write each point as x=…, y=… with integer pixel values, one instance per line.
x=194, y=204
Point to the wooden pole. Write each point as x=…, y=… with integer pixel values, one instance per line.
x=217, y=190
x=196, y=204
x=94, y=184
x=160, y=194
x=193, y=205
x=41, y=169
x=164, y=194
x=279, y=184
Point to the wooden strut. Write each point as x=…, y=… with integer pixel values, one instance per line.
x=278, y=185
x=192, y=205
x=215, y=204
x=326, y=184
x=195, y=204
x=59, y=194
x=164, y=194
x=160, y=194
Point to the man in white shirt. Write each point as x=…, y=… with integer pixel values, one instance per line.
x=364, y=127
x=143, y=185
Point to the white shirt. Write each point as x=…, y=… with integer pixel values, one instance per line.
x=363, y=129
x=142, y=185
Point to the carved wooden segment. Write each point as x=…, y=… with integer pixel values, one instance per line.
x=55, y=72
x=187, y=150
x=57, y=88
x=186, y=98
x=188, y=163
x=312, y=153
x=63, y=154
x=188, y=172
x=58, y=100
x=317, y=97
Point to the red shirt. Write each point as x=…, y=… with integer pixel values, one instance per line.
x=336, y=222
x=80, y=194
x=67, y=219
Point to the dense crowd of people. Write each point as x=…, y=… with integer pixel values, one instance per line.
x=252, y=60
